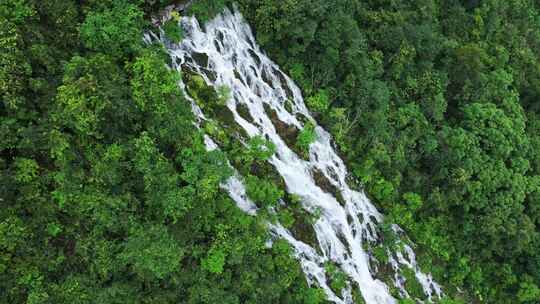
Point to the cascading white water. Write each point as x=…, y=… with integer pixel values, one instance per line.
x=225, y=54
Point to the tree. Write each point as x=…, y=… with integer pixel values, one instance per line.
x=114, y=31
x=152, y=252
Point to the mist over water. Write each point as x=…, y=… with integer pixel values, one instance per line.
x=225, y=53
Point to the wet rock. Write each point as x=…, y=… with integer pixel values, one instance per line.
x=287, y=132
x=200, y=58
x=322, y=182
x=243, y=111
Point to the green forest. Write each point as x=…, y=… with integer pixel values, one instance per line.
x=108, y=194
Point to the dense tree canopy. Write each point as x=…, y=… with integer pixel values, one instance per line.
x=107, y=192
x=108, y=195
x=436, y=99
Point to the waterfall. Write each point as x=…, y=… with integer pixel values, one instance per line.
x=225, y=53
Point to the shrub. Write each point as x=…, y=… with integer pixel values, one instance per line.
x=173, y=31
x=319, y=102
x=306, y=137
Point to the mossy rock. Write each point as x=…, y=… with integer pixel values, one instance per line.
x=385, y=273
x=302, y=227
x=303, y=230
x=243, y=111
x=216, y=132
x=264, y=169
x=212, y=102
x=283, y=82
x=336, y=277
x=200, y=58
x=413, y=287
x=287, y=132
x=204, y=95
x=357, y=296
x=324, y=183
x=289, y=106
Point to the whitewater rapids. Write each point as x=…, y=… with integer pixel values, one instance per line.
x=225, y=53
